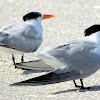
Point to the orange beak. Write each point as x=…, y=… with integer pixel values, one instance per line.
x=46, y=16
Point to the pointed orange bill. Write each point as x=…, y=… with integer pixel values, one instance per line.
x=46, y=16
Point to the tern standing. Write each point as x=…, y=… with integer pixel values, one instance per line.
x=23, y=37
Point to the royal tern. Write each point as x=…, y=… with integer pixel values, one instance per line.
x=76, y=59
x=24, y=37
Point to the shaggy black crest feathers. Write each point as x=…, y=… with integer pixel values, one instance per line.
x=92, y=29
x=32, y=15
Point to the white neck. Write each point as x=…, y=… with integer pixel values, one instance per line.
x=34, y=21
x=95, y=37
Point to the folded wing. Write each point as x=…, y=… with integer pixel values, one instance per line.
x=35, y=65
x=15, y=36
x=53, y=77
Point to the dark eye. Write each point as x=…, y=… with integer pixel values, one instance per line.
x=38, y=15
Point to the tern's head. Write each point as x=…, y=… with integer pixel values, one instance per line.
x=36, y=16
x=92, y=29
x=93, y=33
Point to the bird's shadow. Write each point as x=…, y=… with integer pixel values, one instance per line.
x=92, y=88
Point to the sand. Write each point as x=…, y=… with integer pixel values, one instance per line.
x=71, y=18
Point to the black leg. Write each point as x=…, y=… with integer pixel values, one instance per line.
x=22, y=59
x=76, y=84
x=81, y=82
x=82, y=86
x=13, y=58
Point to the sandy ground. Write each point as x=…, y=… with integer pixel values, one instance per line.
x=72, y=17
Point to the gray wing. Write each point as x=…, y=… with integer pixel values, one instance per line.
x=53, y=77
x=79, y=55
x=35, y=65
x=4, y=34
x=14, y=36
x=6, y=28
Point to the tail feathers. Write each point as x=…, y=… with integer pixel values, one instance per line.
x=35, y=65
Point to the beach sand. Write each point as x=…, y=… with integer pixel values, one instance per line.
x=71, y=18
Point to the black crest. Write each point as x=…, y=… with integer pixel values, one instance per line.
x=32, y=15
x=92, y=29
